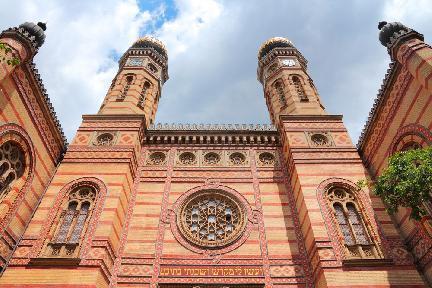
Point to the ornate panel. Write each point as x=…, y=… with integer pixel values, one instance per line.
x=319, y=139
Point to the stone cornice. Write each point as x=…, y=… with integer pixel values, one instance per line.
x=233, y=136
x=212, y=127
x=310, y=117
x=113, y=117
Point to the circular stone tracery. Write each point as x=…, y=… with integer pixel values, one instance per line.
x=212, y=219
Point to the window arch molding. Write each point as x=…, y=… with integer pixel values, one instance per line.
x=61, y=201
x=365, y=211
x=414, y=133
x=10, y=202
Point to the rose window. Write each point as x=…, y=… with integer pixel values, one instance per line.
x=187, y=158
x=267, y=158
x=157, y=158
x=105, y=139
x=320, y=140
x=237, y=158
x=211, y=158
x=212, y=219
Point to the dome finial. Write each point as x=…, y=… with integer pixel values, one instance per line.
x=42, y=25
x=36, y=31
x=381, y=24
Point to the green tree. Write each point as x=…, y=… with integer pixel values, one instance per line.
x=407, y=182
x=6, y=50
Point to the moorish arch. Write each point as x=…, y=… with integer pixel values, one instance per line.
x=17, y=166
x=411, y=136
x=350, y=220
x=72, y=219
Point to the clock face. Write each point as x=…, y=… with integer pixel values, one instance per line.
x=289, y=62
x=135, y=62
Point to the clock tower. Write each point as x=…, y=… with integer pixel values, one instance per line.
x=136, y=89
x=288, y=88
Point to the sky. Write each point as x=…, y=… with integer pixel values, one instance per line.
x=212, y=50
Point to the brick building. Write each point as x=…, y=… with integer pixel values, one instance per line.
x=134, y=204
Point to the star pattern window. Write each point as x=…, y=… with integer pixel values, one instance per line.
x=212, y=219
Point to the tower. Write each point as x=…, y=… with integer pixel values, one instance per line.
x=288, y=88
x=337, y=218
x=98, y=176
x=136, y=89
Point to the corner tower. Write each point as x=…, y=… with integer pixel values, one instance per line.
x=341, y=230
x=136, y=89
x=288, y=88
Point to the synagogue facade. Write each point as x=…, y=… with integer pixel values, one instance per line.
x=131, y=203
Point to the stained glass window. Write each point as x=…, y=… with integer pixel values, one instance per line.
x=343, y=224
x=72, y=221
x=356, y=224
x=350, y=223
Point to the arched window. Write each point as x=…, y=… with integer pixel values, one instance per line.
x=72, y=221
x=350, y=223
x=411, y=145
x=143, y=94
x=279, y=86
x=12, y=166
x=129, y=82
x=298, y=86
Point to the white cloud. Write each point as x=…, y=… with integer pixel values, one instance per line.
x=399, y=10
x=186, y=29
x=212, y=48
x=76, y=59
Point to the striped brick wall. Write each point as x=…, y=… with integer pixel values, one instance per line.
x=405, y=110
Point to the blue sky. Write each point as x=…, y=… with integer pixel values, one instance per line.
x=212, y=47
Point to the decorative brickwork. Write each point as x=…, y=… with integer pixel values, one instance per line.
x=133, y=204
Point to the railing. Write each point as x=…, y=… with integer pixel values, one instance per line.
x=222, y=127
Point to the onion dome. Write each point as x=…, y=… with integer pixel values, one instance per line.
x=36, y=31
x=275, y=42
x=150, y=42
x=391, y=32
x=388, y=29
